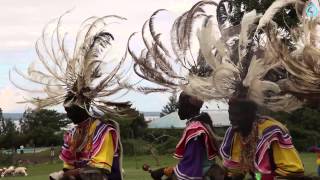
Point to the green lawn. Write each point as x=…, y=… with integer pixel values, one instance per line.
x=133, y=166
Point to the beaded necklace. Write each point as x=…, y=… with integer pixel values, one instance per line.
x=248, y=149
x=82, y=137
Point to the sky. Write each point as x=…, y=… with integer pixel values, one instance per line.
x=22, y=22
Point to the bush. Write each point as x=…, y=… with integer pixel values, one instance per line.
x=303, y=139
x=6, y=159
x=168, y=146
x=220, y=131
x=150, y=133
x=303, y=125
x=135, y=147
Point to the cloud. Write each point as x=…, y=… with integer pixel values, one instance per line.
x=9, y=98
x=22, y=21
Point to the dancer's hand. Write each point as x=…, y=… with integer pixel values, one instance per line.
x=157, y=174
x=56, y=175
x=72, y=172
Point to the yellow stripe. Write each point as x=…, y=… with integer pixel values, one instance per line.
x=104, y=158
x=67, y=166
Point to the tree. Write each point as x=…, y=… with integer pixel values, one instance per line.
x=1, y=122
x=230, y=14
x=9, y=137
x=304, y=126
x=138, y=125
x=233, y=11
x=172, y=105
x=43, y=127
x=132, y=127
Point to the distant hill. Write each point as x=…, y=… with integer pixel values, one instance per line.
x=17, y=116
x=151, y=113
x=220, y=118
x=13, y=116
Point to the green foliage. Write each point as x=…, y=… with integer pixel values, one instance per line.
x=132, y=128
x=6, y=159
x=43, y=127
x=304, y=126
x=285, y=18
x=159, y=132
x=163, y=140
x=138, y=126
x=172, y=105
x=230, y=12
x=1, y=122
x=135, y=147
x=132, y=167
x=220, y=131
x=168, y=146
x=9, y=134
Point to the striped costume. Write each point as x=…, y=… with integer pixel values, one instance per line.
x=196, y=150
x=98, y=148
x=274, y=140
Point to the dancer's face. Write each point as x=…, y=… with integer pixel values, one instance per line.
x=186, y=109
x=242, y=113
x=72, y=107
x=76, y=113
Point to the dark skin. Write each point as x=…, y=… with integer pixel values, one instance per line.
x=242, y=114
x=186, y=109
x=76, y=114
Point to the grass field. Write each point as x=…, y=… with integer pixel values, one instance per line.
x=133, y=166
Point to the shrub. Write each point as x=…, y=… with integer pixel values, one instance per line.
x=135, y=147
x=6, y=159
x=168, y=146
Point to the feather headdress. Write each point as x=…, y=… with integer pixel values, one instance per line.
x=76, y=77
x=170, y=64
x=259, y=64
x=302, y=61
x=254, y=58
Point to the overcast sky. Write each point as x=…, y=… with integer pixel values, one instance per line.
x=22, y=22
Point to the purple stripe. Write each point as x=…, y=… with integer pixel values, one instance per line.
x=101, y=135
x=99, y=127
x=225, y=149
x=183, y=176
x=98, y=139
x=72, y=131
x=96, y=145
x=99, y=132
x=271, y=128
x=270, y=131
x=283, y=137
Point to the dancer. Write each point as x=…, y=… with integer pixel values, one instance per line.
x=92, y=149
x=258, y=64
x=170, y=68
